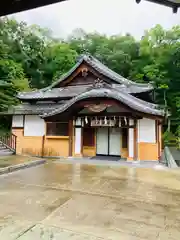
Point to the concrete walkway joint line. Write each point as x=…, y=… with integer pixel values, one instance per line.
x=21, y=166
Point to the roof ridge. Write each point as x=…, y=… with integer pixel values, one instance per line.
x=117, y=74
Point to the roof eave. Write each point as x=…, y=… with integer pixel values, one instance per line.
x=127, y=99
x=166, y=3
x=55, y=98
x=14, y=6
x=6, y=113
x=45, y=99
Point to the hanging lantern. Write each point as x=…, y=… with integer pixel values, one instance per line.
x=86, y=120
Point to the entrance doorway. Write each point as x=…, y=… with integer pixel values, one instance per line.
x=108, y=141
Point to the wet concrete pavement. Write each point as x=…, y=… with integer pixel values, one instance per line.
x=78, y=201
x=6, y=161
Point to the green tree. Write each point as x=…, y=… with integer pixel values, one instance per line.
x=117, y=52
x=59, y=58
x=12, y=81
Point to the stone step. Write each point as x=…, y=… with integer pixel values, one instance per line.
x=2, y=147
x=5, y=152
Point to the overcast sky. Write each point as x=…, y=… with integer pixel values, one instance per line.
x=104, y=16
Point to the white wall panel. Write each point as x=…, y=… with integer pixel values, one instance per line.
x=131, y=141
x=147, y=130
x=34, y=126
x=17, y=121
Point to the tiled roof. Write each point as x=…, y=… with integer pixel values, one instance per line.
x=129, y=100
x=71, y=91
x=103, y=69
x=39, y=108
x=66, y=92
x=132, y=89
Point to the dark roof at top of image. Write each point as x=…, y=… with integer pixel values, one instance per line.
x=14, y=6
x=174, y=4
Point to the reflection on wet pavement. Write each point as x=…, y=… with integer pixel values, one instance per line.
x=78, y=201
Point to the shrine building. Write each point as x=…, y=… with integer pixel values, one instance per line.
x=89, y=111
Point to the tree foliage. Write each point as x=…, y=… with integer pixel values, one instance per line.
x=31, y=58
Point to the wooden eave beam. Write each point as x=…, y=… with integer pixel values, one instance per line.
x=167, y=3
x=14, y=6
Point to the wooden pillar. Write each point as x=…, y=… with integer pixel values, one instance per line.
x=70, y=137
x=43, y=142
x=135, y=140
x=160, y=138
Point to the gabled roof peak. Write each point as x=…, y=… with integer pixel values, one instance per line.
x=83, y=57
x=102, y=69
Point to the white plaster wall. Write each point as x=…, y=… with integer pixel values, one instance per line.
x=17, y=121
x=34, y=126
x=147, y=130
x=131, y=141
x=77, y=140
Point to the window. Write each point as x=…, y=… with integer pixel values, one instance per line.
x=57, y=129
x=88, y=137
